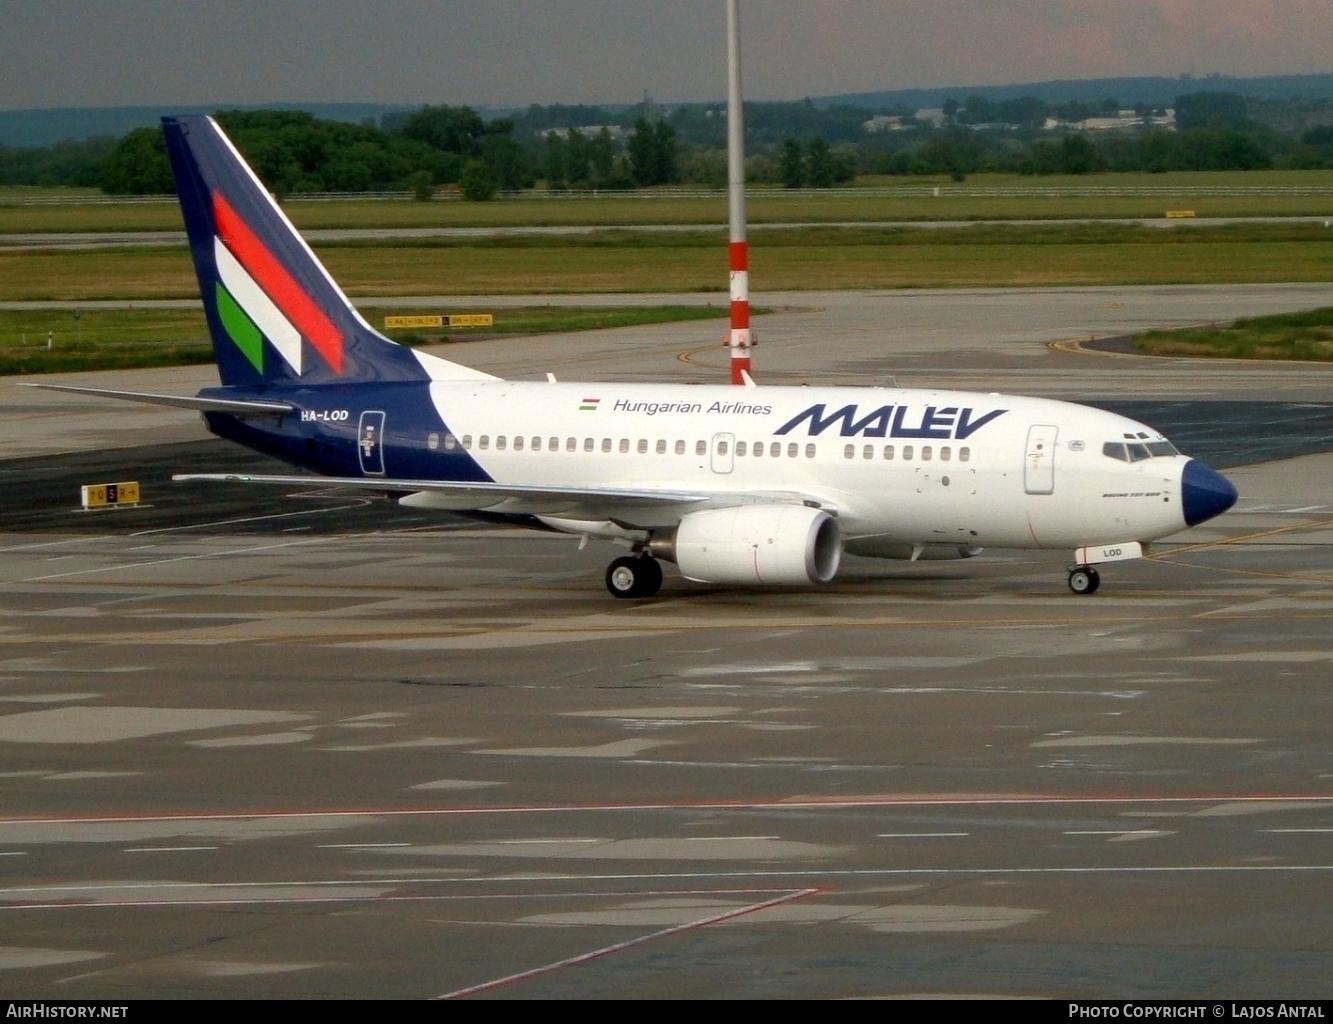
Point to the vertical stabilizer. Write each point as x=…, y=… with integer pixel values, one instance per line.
x=275, y=315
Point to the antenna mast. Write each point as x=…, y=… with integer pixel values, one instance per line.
x=738, y=338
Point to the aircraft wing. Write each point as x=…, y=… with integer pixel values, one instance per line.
x=236, y=407
x=603, y=503
x=485, y=494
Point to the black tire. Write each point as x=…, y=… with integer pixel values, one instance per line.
x=634, y=577
x=1084, y=579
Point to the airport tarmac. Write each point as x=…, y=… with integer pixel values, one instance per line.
x=250, y=749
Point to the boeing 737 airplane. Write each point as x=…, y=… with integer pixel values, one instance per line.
x=735, y=485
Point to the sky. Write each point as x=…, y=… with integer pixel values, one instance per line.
x=510, y=53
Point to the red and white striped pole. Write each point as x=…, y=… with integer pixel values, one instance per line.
x=738, y=338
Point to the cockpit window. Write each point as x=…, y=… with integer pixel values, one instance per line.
x=1137, y=451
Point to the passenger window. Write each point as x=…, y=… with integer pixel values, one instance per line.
x=554, y=444
x=888, y=453
x=518, y=444
x=661, y=447
x=643, y=446
x=1115, y=450
x=450, y=442
x=775, y=450
x=759, y=449
x=907, y=453
x=606, y=444
x=964, y=454
x=946, y=454
x=467, y=442
x=722, y=447
x=740, y=447
x=925, y=453
x=589, y=444
x=571, y=444
x=792, y=449
x=810, y=451
x=701, y=448
x=432, y=441
x=483, y=442
x=536, y=444
x=624, y=445
x=500, y=443
x=868, y=452
x=680, y=447
x=849, y=451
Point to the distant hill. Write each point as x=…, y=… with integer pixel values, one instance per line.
x=43, y=127
x=1129, y=91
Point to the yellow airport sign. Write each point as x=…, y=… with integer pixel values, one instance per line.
x=440, y=320
x=110, y=495
x=1179, y=214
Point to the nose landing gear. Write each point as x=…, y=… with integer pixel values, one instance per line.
x=1084, y=579
x=634, y=576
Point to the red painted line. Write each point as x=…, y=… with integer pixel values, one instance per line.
x=280, y=286
x=618, y=947
x=802, y=803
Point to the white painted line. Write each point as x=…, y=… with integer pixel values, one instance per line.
x=361, y=503
x=919, y=835
x=1119, y=832
x=831, y=804
x=724, y=839
x=167, y=561
x=13, y=853
x=357, y=846
x=166, y=849
x=1310, y=830
x=544, y=842
x=584, y=958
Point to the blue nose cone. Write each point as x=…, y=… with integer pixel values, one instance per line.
x=1204, y=493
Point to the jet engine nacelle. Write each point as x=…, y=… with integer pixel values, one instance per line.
x=774, y=544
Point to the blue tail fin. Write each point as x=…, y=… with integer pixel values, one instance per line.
x=275, y=315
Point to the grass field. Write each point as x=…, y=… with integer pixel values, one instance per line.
x=100, y=339
x=781, y=259
x=1305, y=336
x=985, y=197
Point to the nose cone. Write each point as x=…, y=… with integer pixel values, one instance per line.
x=1204, y=493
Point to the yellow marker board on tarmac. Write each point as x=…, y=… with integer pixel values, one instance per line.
x=440, y=320
x=1179, y=214
x=110, y=495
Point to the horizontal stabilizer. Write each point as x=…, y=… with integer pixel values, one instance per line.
x=238, y=407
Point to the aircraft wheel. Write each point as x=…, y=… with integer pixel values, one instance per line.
x=1084, y=579
x=634, y=576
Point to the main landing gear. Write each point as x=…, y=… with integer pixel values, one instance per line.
x=1084, y=579
x=634, y=576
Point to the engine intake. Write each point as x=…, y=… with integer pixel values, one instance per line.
x=770, y=544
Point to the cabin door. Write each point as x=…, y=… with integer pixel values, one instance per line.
x=370, y=443
x=1039, y=463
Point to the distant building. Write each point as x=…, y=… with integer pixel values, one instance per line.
x=933, y=116
x=588, y=131
x=883, y=123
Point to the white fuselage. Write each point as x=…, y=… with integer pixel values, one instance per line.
x=896, y=466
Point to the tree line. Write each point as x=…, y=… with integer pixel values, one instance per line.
x=583, y=147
